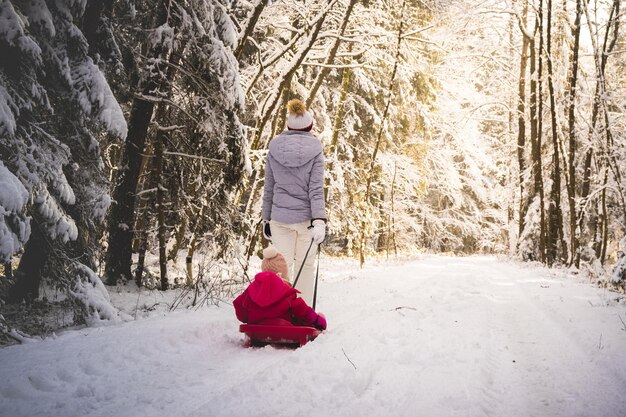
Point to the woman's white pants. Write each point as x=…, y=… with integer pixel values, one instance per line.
x=293, y=241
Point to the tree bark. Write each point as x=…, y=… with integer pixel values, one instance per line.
x=555, y=217
x=571, y=127
x=599, y=102
x=122, y=216
x=521, y=119
x=536, y=68
x=159, y=144
x=29, y=271
x=96, y=12
x=337, y=122
x=249, y=27
x=8, y=270
x=280, y=118
x=370, y=173
x=331, y=54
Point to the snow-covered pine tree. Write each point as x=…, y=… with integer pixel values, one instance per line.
x=187, y=152
x=54, y=102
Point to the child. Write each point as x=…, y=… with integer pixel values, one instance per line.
x=271, y=300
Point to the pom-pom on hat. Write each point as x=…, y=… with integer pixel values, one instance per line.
x=275, y=262
x=298, y=118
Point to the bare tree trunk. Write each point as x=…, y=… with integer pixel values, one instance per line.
x=96, y=12
x=141, y=261
x=389, y=93
x=341, y=111
x=331, y=54
x=571, y=125
x=536, y=124
x=337, y=123
x=8, y=270
x=140, y=242
x=122, y=216
x=391, y=223
x=32, y=263
x=280, y=117
x=249, y=27
x=521, y=119
x=180, y=237
x=555, y=217
x=160, y=198
x=159, y=148
x=605, y=220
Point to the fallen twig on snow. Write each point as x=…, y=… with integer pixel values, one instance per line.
x=401, y=307
x=344, y=354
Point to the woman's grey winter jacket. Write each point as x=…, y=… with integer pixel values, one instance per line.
x=294, y=179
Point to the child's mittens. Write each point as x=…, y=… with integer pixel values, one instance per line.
x=320, y=322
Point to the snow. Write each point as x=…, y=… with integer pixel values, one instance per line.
x=14, y=227
x=101, y=208
x=58, y=224
x=437, y=336
x=13, y=195
x=95, y=96
x=12, y=29
x=7, y=119
x=619, y=270
x=163, y=35
x=226, y=26
x=38, y=13
x=89, y=291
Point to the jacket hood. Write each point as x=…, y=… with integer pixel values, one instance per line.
x=268, y=288
x=293, y=148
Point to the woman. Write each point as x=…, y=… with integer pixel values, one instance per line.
x=294, y=212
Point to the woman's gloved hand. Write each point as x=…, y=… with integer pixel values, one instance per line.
x=318, y=233
x=267, y=232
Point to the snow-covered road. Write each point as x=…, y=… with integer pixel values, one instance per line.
x=434, y=337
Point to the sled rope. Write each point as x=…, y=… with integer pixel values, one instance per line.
x=319, y=249
x=316, y=274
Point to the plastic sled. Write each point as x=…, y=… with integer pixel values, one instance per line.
x=261, y=334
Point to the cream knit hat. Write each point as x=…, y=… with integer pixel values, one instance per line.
x=275, y=262
x=298, y=118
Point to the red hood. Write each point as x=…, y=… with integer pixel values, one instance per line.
x=268, y=288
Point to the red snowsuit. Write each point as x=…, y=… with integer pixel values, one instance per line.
x=268, y=300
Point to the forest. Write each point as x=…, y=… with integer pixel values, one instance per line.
x=133, y=136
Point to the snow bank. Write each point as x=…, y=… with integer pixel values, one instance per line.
x=89, y=291
x=619, y=270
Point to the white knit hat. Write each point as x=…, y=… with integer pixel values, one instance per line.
x=298, y=118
